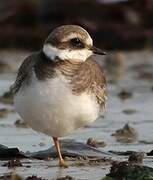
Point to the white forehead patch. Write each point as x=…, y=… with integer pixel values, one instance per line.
x=88, y=40
x=53, y=52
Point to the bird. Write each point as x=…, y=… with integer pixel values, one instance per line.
x=61, y=88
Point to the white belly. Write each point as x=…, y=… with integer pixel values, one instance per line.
x=51, y=108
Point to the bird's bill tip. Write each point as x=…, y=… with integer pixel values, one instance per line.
x=98, y=51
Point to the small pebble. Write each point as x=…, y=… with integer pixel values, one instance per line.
x=136, y=157
x=127, y=134
x=129, y=111
x=20, y=123
x=125, y=94
x=41, y=144
x=94, y=143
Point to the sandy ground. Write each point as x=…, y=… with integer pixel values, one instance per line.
x=133, y=72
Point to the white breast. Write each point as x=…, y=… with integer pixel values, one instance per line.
x=51, y=108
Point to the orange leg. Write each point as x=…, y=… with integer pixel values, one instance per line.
x=61, y=160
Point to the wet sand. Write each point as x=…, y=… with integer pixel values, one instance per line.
x=137, y=110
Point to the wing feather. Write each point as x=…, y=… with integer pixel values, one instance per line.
x=24, y=72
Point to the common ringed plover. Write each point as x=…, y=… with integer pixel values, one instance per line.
x=61, y=88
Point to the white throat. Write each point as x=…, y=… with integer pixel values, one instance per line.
x=53, y=52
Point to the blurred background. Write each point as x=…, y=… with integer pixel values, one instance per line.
x=124, y=29
x=122, y=24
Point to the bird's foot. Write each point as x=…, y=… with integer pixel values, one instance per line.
x=63, y=164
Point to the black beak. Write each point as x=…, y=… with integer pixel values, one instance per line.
x=97, y=50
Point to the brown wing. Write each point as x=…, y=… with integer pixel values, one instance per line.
x=23, y=72
x=85, y=77
x=90, y=77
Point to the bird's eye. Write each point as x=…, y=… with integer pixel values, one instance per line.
x=76, y=42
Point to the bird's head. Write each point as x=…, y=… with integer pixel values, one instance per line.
x=70, y=42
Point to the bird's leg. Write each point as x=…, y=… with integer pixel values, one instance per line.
x=57, y=145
